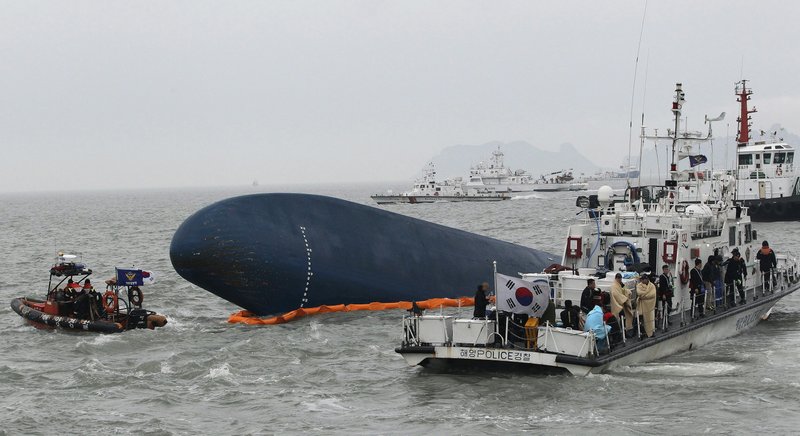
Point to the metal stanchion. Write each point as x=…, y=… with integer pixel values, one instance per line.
x=622, y=327
x=638, y=324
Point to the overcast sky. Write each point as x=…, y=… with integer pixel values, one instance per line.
x=110, y=94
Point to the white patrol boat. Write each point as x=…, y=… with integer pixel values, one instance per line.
x=496, y=176
x=428, y=190
x=649, y=227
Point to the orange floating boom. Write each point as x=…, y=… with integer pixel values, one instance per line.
x=248, y=317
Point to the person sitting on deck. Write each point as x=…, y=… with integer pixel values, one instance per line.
x=590, y=297
x=570, y=316
x=594, y=323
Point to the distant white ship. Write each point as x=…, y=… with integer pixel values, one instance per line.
x=428, y=190
x=559, y=181
x=495, y=175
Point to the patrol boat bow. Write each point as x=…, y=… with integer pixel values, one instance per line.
x=651, y=226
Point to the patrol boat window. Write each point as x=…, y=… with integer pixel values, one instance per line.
x=745, y=159
x=789, y=157
x=767, y=158
x=780, y=158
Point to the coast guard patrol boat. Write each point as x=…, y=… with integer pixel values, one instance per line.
x=685, y=219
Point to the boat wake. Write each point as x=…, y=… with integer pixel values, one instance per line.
x=528, y=197
x=684, y=369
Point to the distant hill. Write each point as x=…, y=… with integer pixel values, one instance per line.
x=456, y=160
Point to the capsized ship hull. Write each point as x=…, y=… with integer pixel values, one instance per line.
x=272, y=253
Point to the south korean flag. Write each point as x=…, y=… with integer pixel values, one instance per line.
x=519, y=296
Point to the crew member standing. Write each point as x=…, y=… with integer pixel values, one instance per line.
x=646, y=303
x=666, y=289
x=766, y=262
x=735, y=275
x=481, y=299
x=710, y=276
x=696, y=287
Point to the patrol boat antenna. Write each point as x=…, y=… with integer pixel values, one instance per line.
x=681, y=147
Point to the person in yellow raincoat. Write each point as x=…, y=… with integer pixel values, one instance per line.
x=646, y=303
x=621, y=301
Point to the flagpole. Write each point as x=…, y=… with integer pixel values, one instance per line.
x=496, y=311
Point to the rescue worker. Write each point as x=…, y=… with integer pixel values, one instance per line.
x=766, y=262
x=735, y=275
x=621, y=302
x=696, y=288
x=646, y=302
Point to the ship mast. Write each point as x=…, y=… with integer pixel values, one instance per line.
x=676, y=110
x=743, y=95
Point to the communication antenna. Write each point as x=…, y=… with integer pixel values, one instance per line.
x=633, y=95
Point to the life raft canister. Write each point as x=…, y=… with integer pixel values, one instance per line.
x=684, y=275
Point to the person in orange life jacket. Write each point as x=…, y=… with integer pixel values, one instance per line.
x=735, y=275
x=570, y=316
x=766, y=262
x=696, y=287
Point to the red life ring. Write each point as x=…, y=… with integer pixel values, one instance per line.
x=110, y=302
x=684, y=275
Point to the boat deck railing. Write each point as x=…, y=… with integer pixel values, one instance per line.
x=505, y=331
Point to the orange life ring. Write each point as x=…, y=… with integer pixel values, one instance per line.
x=110, y=302
x=684, y=275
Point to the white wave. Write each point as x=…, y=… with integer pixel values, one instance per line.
x=324, y=405
x=527, y=197
x=223, y=371
x=686, y=369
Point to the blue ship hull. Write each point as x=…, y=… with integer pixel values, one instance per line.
x=273, y=253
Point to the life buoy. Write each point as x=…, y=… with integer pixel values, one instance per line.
x=684, y=275
x=135, y=296
x=778, y=171
x=110, y=302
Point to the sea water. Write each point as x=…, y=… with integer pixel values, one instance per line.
x=337, y=373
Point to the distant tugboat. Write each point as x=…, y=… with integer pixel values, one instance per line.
x=428, y=190
x=767, y=182
x=77, y=306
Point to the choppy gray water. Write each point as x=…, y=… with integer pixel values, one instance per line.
x=337, y=373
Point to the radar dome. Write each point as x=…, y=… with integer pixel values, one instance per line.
x=605, y=195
